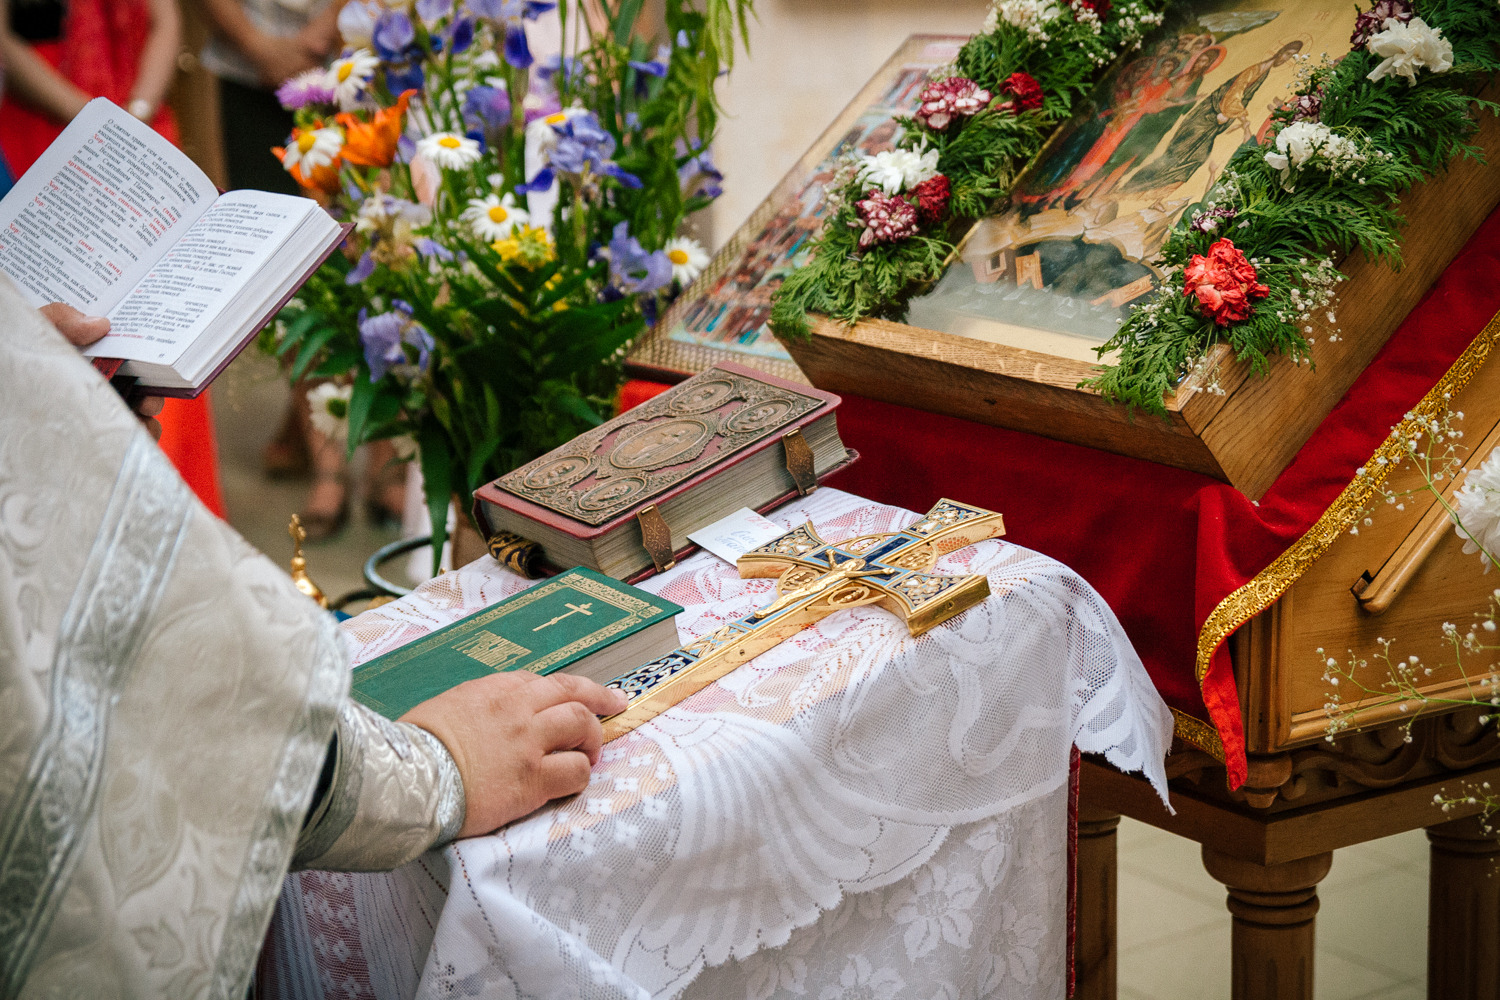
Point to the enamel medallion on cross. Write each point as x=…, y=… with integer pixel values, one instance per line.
x=816, y=578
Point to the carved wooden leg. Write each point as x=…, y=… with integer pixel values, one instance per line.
x=1273, y=907
x=1463, y=912
x=1094, y=947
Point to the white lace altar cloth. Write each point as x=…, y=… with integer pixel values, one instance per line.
x=855, y=813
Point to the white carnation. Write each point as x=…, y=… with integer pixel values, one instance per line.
x=1301, y=143
x=1031, y=16
x=1477, y=509
x=898, y=170
x=1407, y=47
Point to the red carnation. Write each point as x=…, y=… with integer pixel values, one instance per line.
x=1101, y=8
x=932, y=199
x=1024, y=92
x=884, y=218
x=948, y=99
x=1223, y=283
x=1370, y=22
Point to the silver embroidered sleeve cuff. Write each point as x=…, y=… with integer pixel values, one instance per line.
x=395, y=794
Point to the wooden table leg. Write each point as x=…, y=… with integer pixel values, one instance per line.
x=1098, y=877
x=1273, y=907
x=1463, y=912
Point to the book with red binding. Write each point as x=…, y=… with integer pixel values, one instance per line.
x=622, y=498
x=117, y=222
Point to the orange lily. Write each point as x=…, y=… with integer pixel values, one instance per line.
x=373, y=143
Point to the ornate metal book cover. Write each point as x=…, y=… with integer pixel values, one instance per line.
x=659, y=448
x=543, y=629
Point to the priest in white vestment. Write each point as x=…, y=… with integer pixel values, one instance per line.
x=175, y=730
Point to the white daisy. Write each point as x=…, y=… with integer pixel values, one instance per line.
x=493, y=217
x=350, y=75
x=313, y=148
x=328, y=409
x=449, y=150
x=688, y=258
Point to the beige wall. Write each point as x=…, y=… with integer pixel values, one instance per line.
x=807, y=59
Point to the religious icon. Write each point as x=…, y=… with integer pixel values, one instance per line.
x=655, y=445
x=724, y=314
x=1059, y=267
x=563, y=472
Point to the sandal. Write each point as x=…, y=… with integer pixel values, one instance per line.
x=286, y=456
x=322, y=524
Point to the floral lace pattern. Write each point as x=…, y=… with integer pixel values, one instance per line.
x=842, y=816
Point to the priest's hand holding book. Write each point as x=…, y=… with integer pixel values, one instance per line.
x=81, y=330
x=520, y=740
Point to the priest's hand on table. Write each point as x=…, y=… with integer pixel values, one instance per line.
x=81, y=331
x=519, y=740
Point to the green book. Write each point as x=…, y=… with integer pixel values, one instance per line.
x=578, y=621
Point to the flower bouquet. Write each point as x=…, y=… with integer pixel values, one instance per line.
x=517, y=221
x=1255, y=265
x=893, y=216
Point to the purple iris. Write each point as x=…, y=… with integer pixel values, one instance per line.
x=699, y=176
x=433, y=11
x=387, y=335
x=432, y=248
x=656, y=67
x=459, y=35
x=582, y=144
x=570, y=67
x=512, y=15
x=356, y=22
x=489, y=106
x=361, y=270
x=395, y=37
x=395, y=41
x=632, y=267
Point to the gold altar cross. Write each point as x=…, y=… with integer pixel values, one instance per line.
x=578, y=609
x=815, y=579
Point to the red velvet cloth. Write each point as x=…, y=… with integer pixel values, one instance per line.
x=1164, y=546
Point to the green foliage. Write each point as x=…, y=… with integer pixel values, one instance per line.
x=1409, y=133
x=980, y=156
x=507, y=341
x=843, y=283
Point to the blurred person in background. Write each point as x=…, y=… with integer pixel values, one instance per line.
x=257, y=46
x=60, y=54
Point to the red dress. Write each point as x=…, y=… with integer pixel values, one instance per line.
x=100, y=53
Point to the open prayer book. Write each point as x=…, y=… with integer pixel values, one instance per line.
x=115, y=221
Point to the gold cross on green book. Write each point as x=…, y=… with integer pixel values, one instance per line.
x=579, y=621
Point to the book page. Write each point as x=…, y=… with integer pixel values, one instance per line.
x=198, y=276
x=97, y=210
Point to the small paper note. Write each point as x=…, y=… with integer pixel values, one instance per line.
x=731, y=537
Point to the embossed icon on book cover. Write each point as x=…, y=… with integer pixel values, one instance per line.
x=642, y=454
x=495, y=652
x=1058, y=268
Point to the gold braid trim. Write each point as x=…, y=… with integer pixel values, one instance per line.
x=1271, y=582
x=1199, y=733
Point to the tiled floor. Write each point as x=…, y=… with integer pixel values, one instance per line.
x=1173, y=927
